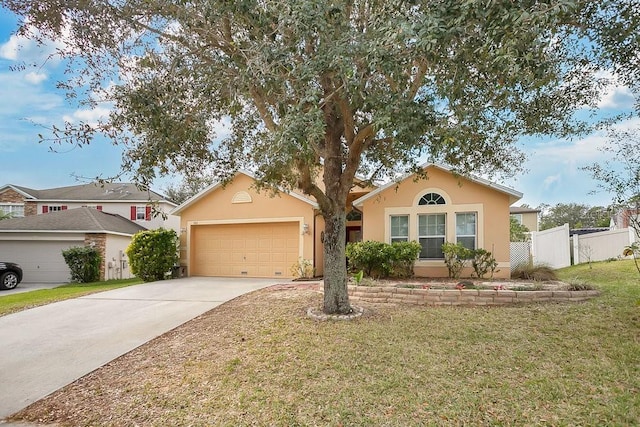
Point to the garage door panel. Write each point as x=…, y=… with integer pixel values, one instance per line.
x=245, y=250
x=41, y=260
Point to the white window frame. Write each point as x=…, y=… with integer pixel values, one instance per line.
x=398, y=237
x=141, y=213
x=16, y=210
x=427, y=236
x=54, y=208
x=464, y=234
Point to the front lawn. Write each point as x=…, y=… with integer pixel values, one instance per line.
x=22, y=301
x=258, y=360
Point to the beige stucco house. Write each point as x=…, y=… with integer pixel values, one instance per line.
x=234, y=230
x=528, y=217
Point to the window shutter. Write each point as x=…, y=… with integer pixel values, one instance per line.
x=64, y=208
x=133, y=213
x=147, y=213
x=99, y=207
x=45, y=209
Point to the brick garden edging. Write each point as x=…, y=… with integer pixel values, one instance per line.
x=393, y=294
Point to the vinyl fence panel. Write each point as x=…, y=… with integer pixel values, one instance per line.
x=551, y=247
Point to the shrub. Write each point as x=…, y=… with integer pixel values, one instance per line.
x=152, y=253
x=455, y=257
x=84, y=263
x=302, y=269
x=404, y=255
x=377, y=259
x=483, y=262
x=537, y=272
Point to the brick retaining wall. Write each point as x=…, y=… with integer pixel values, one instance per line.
x=392, y=294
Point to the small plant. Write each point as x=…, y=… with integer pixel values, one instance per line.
x=358, y=277
x=580, y=286
x=302, y=269
x=84, y=263
x=633, y=250
x=455, y=257
x=483, y=262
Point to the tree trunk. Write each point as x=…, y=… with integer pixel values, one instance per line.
x=336, y=298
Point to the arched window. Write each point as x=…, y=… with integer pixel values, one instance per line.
x=431, y=199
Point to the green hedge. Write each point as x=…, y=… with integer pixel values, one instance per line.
x=379, y=259
x=153, y=253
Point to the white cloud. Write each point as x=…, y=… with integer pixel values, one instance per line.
x=9, y=50
x=35, y=78
x=92, y=116
x=617, y=97
x=550, y=180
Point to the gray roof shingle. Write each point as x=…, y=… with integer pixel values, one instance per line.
x=95, y=192
x=80, y=219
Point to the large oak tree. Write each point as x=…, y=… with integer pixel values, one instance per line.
x=318, y=91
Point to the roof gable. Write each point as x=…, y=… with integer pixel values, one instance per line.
x=213, y=187
x=513, y=194
x=27, y=193
x=79, y=219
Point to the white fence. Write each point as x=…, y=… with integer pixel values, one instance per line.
x=601, y=246
x=554, y=248
x=520, y=254
x=551, y=247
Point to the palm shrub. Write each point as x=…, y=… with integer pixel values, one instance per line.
x=153, y=253
x=84, y=263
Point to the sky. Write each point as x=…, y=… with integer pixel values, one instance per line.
x=30, y=103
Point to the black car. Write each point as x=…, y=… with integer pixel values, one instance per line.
x=10, y=275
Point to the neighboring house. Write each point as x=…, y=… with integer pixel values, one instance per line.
x=233, y=230
x=526, y=216
x=124, y=199
x=626, y=217
x=36, y=242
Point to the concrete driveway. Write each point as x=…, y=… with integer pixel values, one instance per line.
x=48, y=347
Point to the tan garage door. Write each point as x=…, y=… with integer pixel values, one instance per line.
x=245, y=250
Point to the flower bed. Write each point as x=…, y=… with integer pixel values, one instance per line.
x=486, y=293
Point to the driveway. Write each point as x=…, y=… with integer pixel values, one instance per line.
x=48, y=347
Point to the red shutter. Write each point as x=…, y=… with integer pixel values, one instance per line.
x=99, y=207
x=133, y=213
x=147, y=213
x=64, y=208
x=45, y=209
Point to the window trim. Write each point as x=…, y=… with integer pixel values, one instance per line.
x=399, y=238
x=435, y=199
x=475, y=229
x=442, y=237
x=16, y=210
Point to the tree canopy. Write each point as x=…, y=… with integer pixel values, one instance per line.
x=577, y=215
x=322, y=90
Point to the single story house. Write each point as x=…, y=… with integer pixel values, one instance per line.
x=235, y=231
x=36, y=242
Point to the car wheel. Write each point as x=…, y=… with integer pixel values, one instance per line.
x=8, y=280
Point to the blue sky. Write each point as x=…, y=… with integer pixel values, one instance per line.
x=29, y=102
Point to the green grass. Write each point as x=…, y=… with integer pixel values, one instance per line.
x=258, y=360
x=24, y=300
